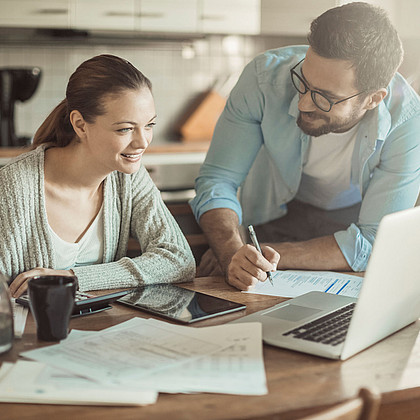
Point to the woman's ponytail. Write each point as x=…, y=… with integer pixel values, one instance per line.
x=56, y=129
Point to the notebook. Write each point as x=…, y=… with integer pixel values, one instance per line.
x=388, y=301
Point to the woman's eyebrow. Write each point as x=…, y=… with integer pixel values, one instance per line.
x=132, y=122
x=124, y=122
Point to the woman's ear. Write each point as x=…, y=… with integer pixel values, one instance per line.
x=374, y=99
x=78, y=123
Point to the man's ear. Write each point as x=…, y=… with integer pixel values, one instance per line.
x=374, y=99
x=78, y=123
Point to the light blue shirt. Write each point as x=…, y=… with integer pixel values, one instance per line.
x=256, y=140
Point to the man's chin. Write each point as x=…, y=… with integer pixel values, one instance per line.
x=312, y=129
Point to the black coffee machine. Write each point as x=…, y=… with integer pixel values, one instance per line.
x=16, y=84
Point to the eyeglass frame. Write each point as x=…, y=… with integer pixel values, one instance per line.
x=313, y=92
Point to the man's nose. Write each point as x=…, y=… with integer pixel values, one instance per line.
x=306, y=104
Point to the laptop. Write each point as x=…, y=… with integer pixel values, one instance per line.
x=338, y=327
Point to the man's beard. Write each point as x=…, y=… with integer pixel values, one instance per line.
x=339, y=126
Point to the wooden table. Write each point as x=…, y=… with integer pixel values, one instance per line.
x=298, y=384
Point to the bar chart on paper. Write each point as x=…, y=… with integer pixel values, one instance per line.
x=295, y=283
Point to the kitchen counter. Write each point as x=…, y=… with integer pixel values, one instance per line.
x=161, y=154
x=172, y=166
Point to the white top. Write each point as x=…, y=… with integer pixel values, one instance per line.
x=326, y=177
x=89, y=250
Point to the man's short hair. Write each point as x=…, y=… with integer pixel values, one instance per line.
x=362, y=34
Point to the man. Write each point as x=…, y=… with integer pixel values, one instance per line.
x=329, y=134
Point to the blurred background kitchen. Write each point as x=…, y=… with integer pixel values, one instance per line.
x=192, y=50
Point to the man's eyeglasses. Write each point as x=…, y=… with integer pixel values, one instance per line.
x=319, y=99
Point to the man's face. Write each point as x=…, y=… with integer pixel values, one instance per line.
x=336, y=80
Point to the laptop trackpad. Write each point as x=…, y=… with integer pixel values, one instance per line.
x=292, y=312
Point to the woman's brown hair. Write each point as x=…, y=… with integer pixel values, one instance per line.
x=93, y=79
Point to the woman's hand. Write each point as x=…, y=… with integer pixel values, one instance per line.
x=209, y=266
x=248, y=266
x=20, y=283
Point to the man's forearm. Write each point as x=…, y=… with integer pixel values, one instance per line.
x=316, y=254
x=221, y=228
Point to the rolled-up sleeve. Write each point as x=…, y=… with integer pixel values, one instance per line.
x=394, y=186
x=236, y=141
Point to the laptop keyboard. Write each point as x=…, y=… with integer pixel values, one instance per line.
x=329, y=329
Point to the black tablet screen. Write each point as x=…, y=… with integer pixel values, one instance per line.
x=178, y=304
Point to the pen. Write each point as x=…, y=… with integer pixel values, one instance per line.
x=257, y=245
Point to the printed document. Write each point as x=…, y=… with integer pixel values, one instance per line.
x=33, y=382
x=295, y=283
x=237, y=369
x=223, y=359
x=126, y=354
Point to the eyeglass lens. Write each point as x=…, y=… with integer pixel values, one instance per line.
x=319, y=100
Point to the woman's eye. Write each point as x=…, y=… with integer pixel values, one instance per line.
x=125, y=130
x=151, y=125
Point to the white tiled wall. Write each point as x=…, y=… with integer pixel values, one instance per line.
x=176, y=80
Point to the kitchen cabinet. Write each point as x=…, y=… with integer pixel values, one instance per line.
x=230, y=17
x=291, y=17
x=103, y=14
x=407, y=19
x=163, y=16
x=35, y=13
x=167, y=16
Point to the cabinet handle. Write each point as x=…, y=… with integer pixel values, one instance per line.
x=153, y=15
x=212, y=17
x=119, y=14
x=51, y=12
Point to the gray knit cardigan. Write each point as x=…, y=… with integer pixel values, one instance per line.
x=132, y=207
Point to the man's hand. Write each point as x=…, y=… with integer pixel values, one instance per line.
x=20, y=283
x=248, y=266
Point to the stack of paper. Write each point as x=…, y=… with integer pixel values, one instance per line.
x=32, y=382
x=140, y=358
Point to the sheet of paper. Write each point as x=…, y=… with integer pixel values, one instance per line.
x=19, y=318
x=126, y=354
x=295, y=283
x=237, y=369
x=33, y=382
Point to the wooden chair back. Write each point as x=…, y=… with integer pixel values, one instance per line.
x=363, y=407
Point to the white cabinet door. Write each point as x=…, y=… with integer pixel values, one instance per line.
x=35, y=13
x=167, y=16
x=408, y=19
x=104, y=15
x=230, y=16
x=291, y=17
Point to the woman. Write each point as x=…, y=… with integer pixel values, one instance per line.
x=70, y=205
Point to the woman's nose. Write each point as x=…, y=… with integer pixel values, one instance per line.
x=142, y=139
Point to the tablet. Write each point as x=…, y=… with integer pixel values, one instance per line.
x=85, y=304
x=178, y=304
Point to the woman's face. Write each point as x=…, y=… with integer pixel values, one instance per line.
x=118, y=138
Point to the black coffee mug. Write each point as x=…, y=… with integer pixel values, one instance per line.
x=51, y=300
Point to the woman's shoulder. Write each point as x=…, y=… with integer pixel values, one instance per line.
x=22, y=170
x=27, y=160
